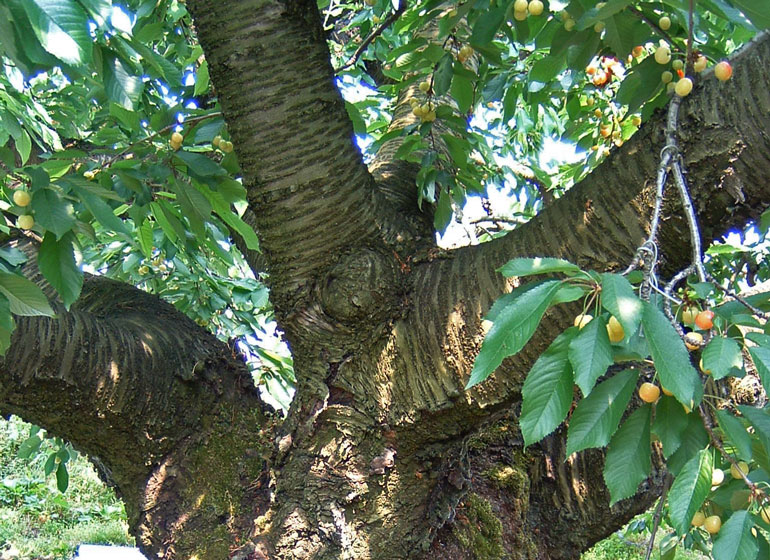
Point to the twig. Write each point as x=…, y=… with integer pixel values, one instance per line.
x=657, y=516
x=498, y=219
x=755, y=310
x=667, y=300
x=131, y=146
x=372, y=36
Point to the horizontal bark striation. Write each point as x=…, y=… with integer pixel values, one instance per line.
x=152, y=398
x=311, y=195
x=598, y=224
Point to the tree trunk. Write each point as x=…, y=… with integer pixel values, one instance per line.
x=383, y=455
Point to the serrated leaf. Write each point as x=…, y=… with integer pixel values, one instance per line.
x=25, y=297
x=234, y=222
x=442, y=77
x=735, y=434
x=590, y=354
x=722, y=357
x=513, y=327
x=597, y=416
x=122, y=85
x=755, y=10
x=672, y=361
x=486, y=26
x=760, y=355
x=52, y=211
x=537, y=265
x=689, y=490
x=462, y=92
x=546, y=69
x=62, y=28
x=62, y=478
x=670, y=423
x=144, y=238
x=56, y=260
x=694, y=438
x=101, y=211
x=202, y=79
x=761, y=422
x=619, y=298
x=735, y=541
x=628, y=456
x=199, y=164
x=547, y=391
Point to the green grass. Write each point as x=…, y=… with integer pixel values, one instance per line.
x=631, y=543
x=41, y=522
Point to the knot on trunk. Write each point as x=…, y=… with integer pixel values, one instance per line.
x=361, y=286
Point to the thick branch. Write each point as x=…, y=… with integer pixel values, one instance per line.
x=311, y=194
x=137, y=385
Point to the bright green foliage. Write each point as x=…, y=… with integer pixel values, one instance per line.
x=597, y=416
x=581, y=356
x=628, y=455
x=90, y=95
x=689, y=490
x=590, y=354
x=735, y=541
x=547, y=391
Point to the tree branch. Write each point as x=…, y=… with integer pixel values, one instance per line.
x=311, y=194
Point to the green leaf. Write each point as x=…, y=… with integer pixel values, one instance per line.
x=672, y=361
x=597, y=416
x=735, y=434
x=547, y=391
x=101, y=211
x=442, y=77
x=689, y=490
x=169, y=223
x=29, y=446
x=25, y=297
x=512, y=329
x=56, y=260
x=670, y=423
x=735, y=541
x=694, y=438
x=144, y=238
x=62, y=28
x=546, y=69
x=462, y=92
x=628, y=455
x=590, y=354
x=50, y=464
x=486, y=26
x=761, y=422
x=122, y=85
x=234, y=222
x=62, y=477
x=24, y=146
x=755, y=10
x=202, y=79
x=199, y=164
x=443, y=214
x=722, y=357
x=52, y=211
x=760, y=355
x=619, y=298
x=538, y=265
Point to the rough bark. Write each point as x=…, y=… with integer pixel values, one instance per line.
x=383, y=455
